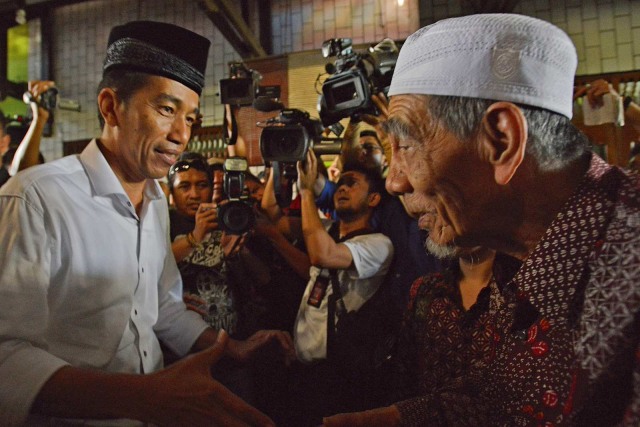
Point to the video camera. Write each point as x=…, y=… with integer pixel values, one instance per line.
x=287, y=138
x=242, y=87
x=354, y=78
x=48, y=100
x=236, y=215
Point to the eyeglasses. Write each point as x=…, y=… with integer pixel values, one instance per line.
x=185, y=165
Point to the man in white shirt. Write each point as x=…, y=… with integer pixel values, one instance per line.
x=323, y=383
x=88, y=282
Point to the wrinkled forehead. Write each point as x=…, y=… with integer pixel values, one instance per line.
x=408, y=115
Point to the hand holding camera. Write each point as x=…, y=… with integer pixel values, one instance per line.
x=206, y=221
x=308, y=172
x=42, y=96
x=236, y=214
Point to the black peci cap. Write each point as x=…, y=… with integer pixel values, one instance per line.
x=159, y=48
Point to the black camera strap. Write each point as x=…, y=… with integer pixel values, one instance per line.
x=230, y=140
x=337, y=302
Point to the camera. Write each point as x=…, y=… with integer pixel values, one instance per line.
x=236, y=215
x=287, y=138
x=48, y=99
x=242, y=87
x=354, y=78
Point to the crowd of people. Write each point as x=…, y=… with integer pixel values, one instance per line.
x=494, y=281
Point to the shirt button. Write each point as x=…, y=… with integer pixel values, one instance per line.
x=129, y=204
x=143, y=269
x=135, y=312
x=145, y=353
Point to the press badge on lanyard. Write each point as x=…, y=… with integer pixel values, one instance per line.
x=319, y=290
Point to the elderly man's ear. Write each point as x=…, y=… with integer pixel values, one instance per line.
x=503, y=139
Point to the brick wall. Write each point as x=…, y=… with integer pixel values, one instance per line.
x=80, y=37
x=606, y=34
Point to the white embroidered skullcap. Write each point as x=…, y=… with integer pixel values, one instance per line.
x=503, y=57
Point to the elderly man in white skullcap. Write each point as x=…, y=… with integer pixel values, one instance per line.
x=485, y=155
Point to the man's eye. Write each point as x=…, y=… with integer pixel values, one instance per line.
x=166, y=109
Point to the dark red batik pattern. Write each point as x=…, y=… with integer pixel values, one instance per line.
x=567, y=327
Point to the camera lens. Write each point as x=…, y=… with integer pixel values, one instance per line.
x=236, y=217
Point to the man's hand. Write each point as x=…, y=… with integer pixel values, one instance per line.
x=185, y=394
x=380, y=417
x=264, y=227
x=206, y=220
x=36, y=88
x=382, y=105
x=307, y=172
x=595, y=91
x=232, y=244
x=195, y=303
x=244, y=350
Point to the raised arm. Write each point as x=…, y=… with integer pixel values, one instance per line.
x=296, y=258
x=206, y=221
x=322, y=249
x=28, y=151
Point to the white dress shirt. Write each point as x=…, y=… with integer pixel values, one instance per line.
x=84, y=280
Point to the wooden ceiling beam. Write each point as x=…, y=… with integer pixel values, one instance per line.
x=233, y=27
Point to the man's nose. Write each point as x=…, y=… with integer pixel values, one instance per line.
x=180, y=131
x=193, y=193
x=397, y=182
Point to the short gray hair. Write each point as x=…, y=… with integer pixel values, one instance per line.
x=552, y=139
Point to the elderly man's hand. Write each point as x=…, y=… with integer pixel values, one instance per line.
x=381, y=417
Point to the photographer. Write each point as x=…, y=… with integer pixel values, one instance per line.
x=324, y=382
x=204, y=254
x=27, y=153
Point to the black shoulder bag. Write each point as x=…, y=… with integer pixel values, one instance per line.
x=360, y=343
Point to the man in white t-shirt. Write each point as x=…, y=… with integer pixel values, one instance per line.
x=360, y=258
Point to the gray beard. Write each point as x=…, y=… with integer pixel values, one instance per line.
x=441, y=251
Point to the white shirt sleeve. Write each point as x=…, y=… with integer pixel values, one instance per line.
x=372, y=255
x=25, y=364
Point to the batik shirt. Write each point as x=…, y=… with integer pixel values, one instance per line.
x=206, y=283
x=565, y=329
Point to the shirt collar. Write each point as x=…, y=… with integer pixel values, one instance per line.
x=555, y=270
x=104, y=180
